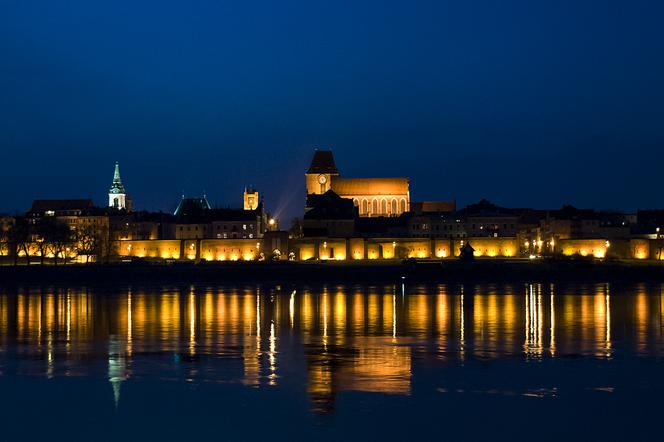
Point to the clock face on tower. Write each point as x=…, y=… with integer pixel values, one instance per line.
x=322, y=179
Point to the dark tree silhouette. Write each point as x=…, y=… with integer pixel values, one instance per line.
x=19, y=238
x=295, y=230
x=55, y=237
x=89, y=241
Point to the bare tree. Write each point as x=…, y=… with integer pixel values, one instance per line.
x=55, y=237
x=90, y=241
x=19, y=238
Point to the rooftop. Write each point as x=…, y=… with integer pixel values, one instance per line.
x=370, y=186
x=323, y=162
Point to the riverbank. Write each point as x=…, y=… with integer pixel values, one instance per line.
x=347, y=272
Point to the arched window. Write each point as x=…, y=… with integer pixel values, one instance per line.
x=394, y=206
x=383, y=206
x=403, y=205
x=355, y=202
x=374, y=207
x=365, y=206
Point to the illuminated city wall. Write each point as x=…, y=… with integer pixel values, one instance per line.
x=489, y=247
x=657, y=250
x=230, y=249
x=163, y=248
x=376, y=248
x=640, y=249
x=584, y=247
x=602, y=248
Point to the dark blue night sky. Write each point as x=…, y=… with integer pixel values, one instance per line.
x=527, y=103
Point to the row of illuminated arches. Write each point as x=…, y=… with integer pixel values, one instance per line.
x=380, y=206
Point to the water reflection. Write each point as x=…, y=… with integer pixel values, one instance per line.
x=337, y=338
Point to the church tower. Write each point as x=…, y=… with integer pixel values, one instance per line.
x=117, y=197
x=250, y=198
x=320, y=172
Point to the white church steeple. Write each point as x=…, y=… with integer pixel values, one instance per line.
x=117, y=197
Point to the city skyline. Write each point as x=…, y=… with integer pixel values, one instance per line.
x=331, y=220
x=236, y=200
x=469, y=101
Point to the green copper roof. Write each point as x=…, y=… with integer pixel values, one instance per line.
x=117, y=187
x=192, y=206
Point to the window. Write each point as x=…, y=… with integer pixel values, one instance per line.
x=244, y=227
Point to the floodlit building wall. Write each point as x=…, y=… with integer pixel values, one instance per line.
x=332, y=249
x=585, y=247
x=375, y=248
x=160, y=248
x=640, y=249
x=656, y=249
x=306, y=251
x=356, y=249
x=605, y=248
x=496, y=247
x=231, y=249
x=442, y=248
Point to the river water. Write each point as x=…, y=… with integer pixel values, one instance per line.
x=330, y=362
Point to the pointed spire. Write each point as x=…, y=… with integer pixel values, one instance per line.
x=117, y=186
x=116, y=175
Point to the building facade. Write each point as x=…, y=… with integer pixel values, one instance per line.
x=372, y=196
